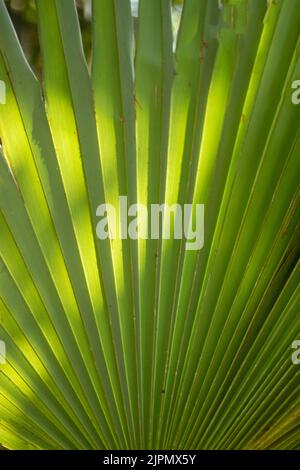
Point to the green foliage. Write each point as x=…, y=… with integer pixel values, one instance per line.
x=141, y=343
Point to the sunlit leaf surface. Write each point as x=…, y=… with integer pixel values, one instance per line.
x=141, y=343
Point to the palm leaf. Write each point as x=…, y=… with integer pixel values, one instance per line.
x=123, y=343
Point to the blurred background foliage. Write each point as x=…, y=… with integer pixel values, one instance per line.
x=23, y=15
